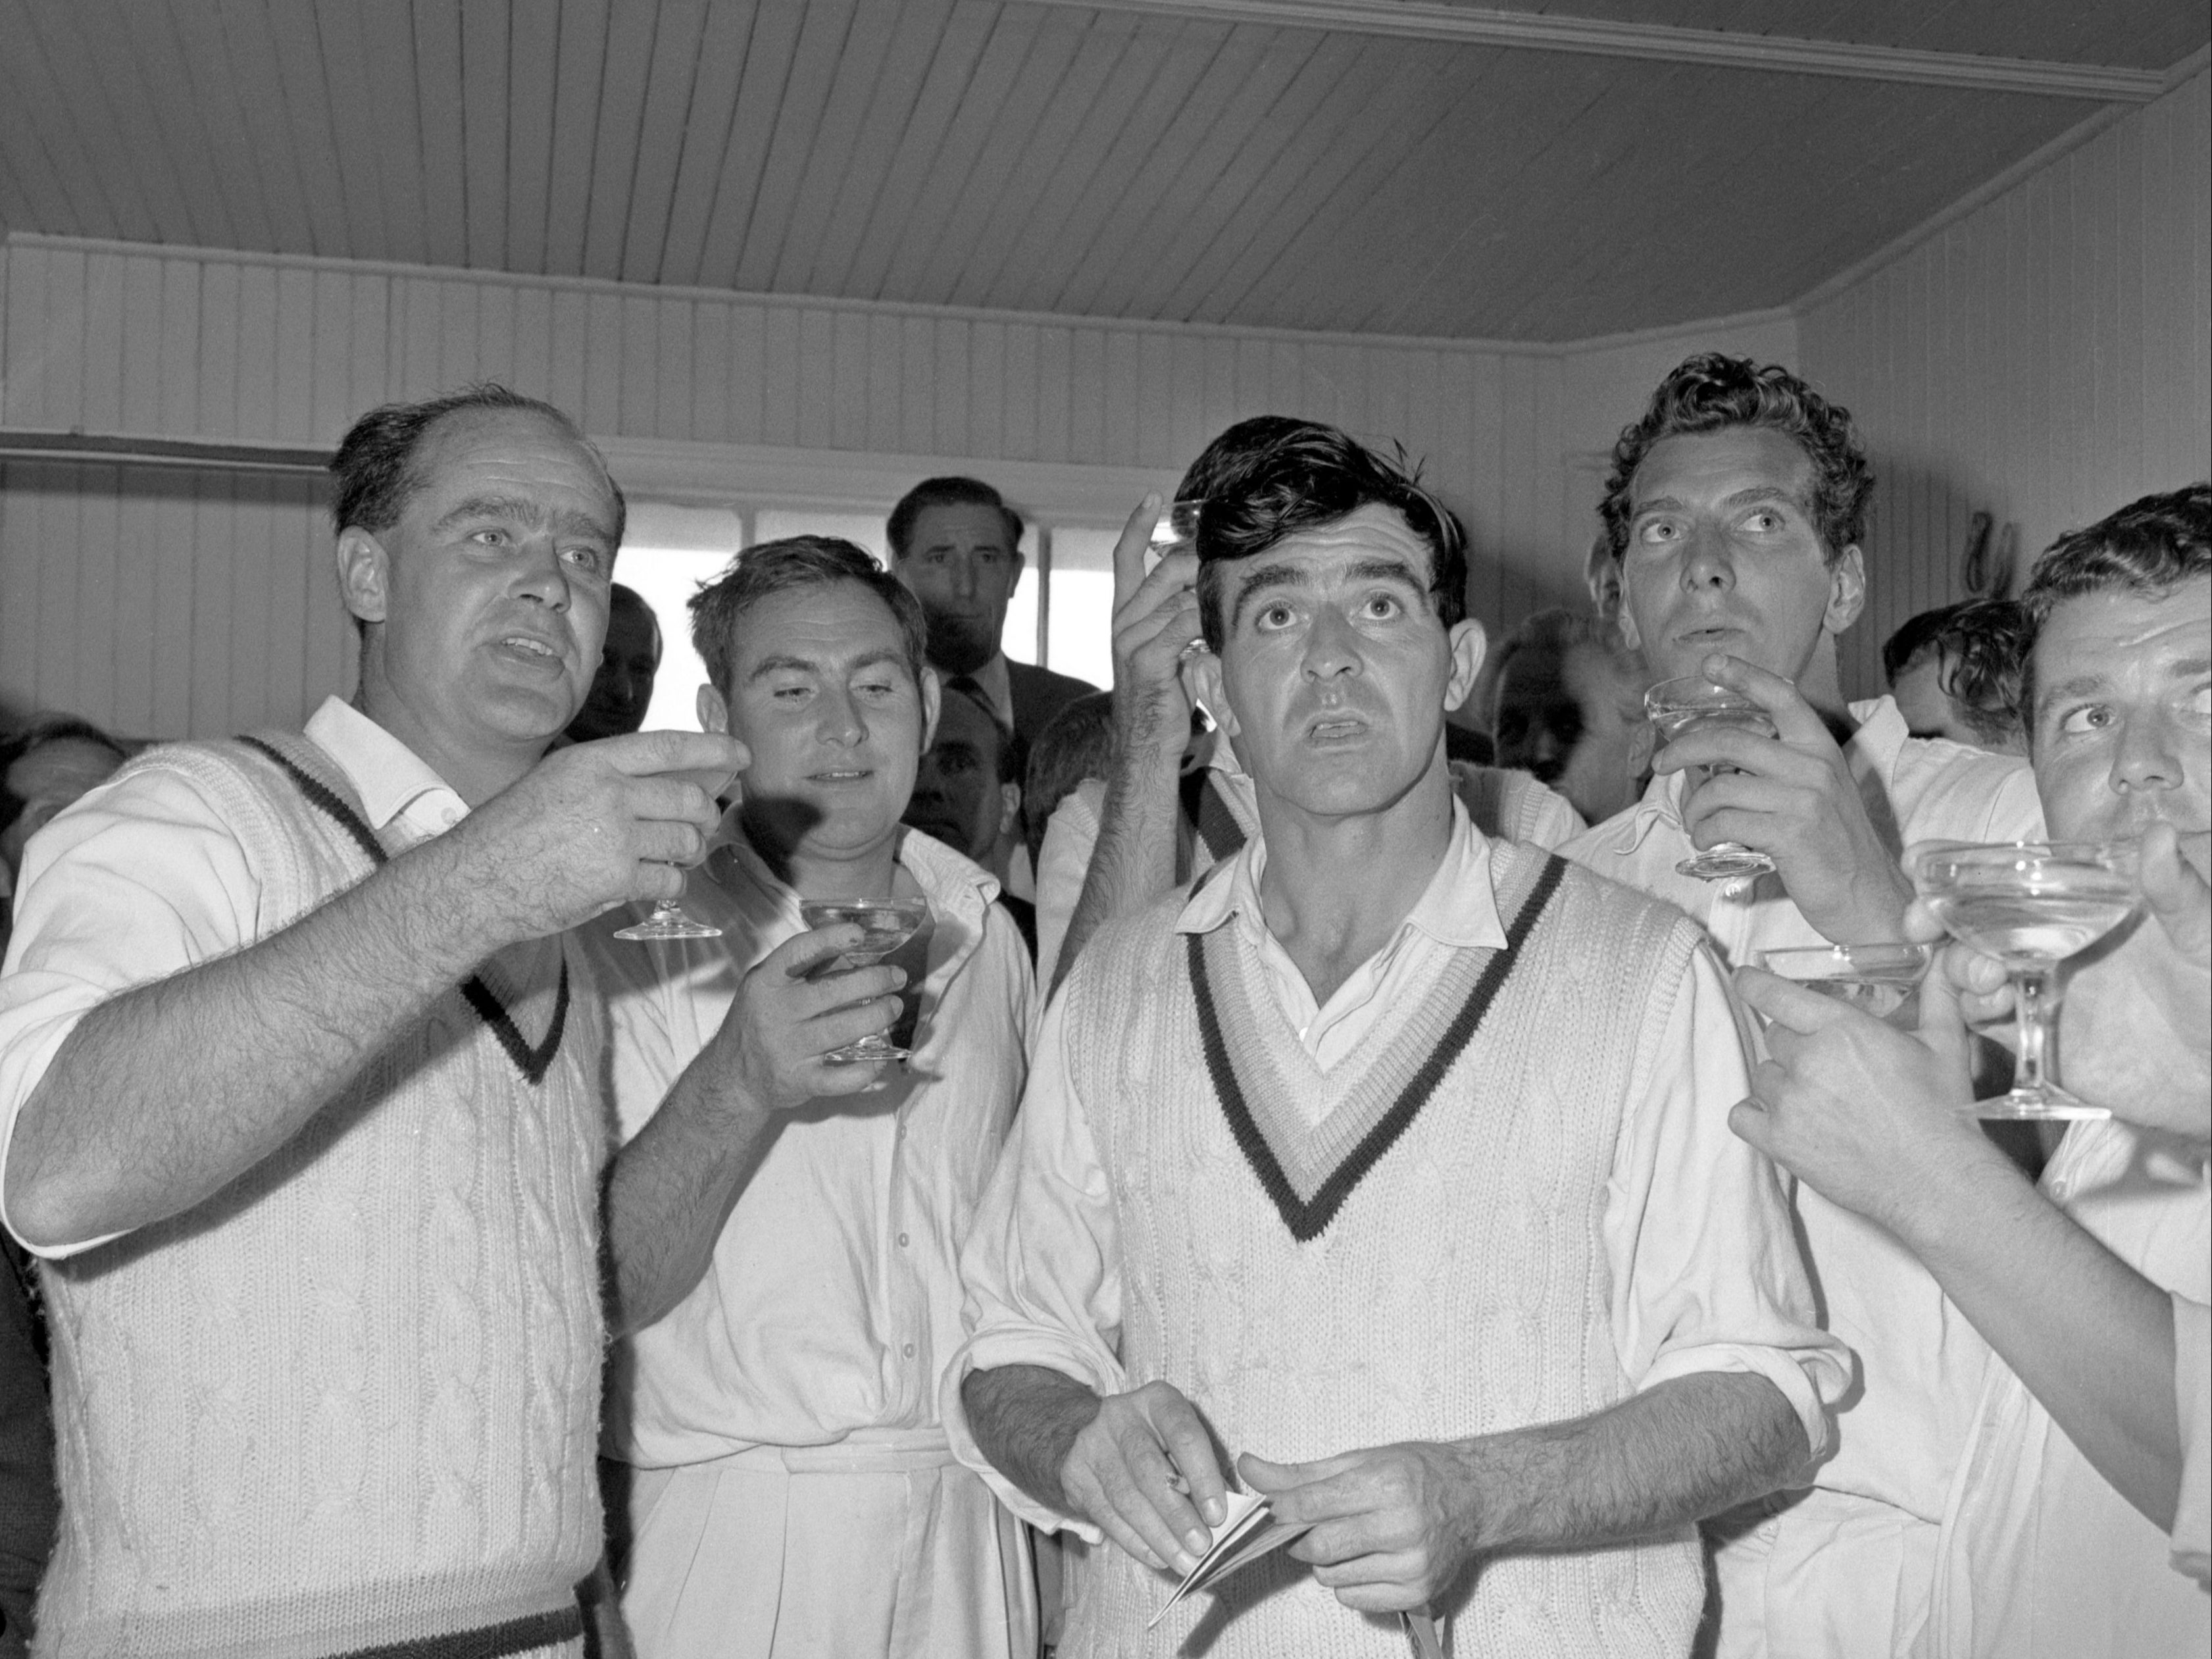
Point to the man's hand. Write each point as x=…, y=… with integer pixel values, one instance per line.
x=1155, y=620
x=590, y=827
x=1143, y=1471
x=782, y=1023
x=1792, y=797
x=1393, y=1526
x=1863, y=1114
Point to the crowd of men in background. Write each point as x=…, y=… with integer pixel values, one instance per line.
x=1320, y=1084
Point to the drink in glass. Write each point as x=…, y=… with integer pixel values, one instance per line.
x=1675, y=706
x=669, y=919
x=886, y=924
x=1880, y=979
x=2031, y=905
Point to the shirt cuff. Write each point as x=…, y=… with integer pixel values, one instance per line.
x=1021, y=1345
x=1810, y=1379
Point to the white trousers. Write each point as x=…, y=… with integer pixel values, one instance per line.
x=879, y=1546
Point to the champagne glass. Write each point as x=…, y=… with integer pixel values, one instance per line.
x=886, y=924
x=2032, y=904
x=1879, y=979
x=1176, y=531
x=1676, y=706
x=669, y=919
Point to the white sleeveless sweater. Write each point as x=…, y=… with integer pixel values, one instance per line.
x=352, y=1400
x=1452, y=1279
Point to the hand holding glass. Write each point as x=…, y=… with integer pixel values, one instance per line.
x=1677, y=706
x=2031, y=905
x=1878, y=979
x=887, y=924
x=669, y=919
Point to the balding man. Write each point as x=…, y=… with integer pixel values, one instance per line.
x=301, y=1097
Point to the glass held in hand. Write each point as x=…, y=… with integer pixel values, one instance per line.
x=1176, y=532
x=669, y=919
x=886, y=924
x=1675, y=706
x=1877, y=979
x=2031, y=905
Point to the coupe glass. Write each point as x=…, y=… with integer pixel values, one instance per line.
x=1176, y=532
x=887, y=924
x=669, y=919
x=1675, y=706
x=2032, y=904
x=1879, y=979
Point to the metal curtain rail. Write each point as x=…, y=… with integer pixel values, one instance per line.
x=185, y=454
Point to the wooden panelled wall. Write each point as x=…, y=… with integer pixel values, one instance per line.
x=2044, y=359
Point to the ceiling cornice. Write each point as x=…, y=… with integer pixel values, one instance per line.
x=1480, y=25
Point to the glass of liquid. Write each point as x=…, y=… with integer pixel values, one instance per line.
x=1675, y=706
x=1879, y=979
x=1176, y=531
x=2031, y=905
x=670, y=920
x=887, y=924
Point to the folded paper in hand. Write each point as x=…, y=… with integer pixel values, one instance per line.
x=1248, y=1532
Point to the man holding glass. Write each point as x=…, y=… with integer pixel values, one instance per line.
x=2080, y=1519
x=302, y=1091
x=1736, y=504
x=1388, y=1156
x=791, y=1285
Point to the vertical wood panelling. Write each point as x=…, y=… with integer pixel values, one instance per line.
x=2044, y=359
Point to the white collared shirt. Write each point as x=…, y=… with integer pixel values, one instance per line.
x=834, y=1297
x=1923, y=1361
x=142, y=878
x=1693, y=1235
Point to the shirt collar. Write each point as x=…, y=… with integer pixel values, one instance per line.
x=387, y=776
x=1459, y=907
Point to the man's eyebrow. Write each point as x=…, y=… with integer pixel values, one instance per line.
x=786, y=663
x=524, y=510
x=1266, y=577
x=1796, y=498
x=1384, y=570
x=2081, y=685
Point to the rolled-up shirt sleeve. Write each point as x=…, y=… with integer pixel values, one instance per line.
x=1706, y=1274
x=140, y=880
x=1041, y=1264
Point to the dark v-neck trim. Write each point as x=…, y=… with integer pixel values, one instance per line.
x=533, y=1063
x=1307, y=1219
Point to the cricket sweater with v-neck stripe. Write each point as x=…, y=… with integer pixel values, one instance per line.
x=350, y=1402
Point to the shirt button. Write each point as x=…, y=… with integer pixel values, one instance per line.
x=902, y=1241
x=908, y=1351
x=449, y=817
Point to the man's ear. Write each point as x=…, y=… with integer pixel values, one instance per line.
x=1202, y=681
x=1010, y=809
x=364, y=574
x=932, y=701
x=1846, y=590
x=1470, y=644
x=713, y=711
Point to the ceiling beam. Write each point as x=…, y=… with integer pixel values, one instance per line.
x=1482, y=26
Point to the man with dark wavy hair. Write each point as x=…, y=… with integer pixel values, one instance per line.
x=1955, y=672
x=1736, y=506
x=1323, y=1161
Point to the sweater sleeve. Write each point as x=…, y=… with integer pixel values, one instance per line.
x=1706, y=1273
x=1042, y=1264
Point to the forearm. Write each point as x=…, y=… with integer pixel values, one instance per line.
x=670, y=1191
x=1684, y=1449
x=164, y=1094
x=1133, y=862
x=1025, y=1419
x=2090, y=1337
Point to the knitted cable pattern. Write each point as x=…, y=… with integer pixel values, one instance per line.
x=1460, y=1288
x=351, y=1401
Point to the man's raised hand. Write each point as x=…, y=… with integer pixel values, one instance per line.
x=1792, y=797
x=1155, y=620
x=1393, y=1526
x=590, y=827
x=781, y=1022
x=1143, y=1471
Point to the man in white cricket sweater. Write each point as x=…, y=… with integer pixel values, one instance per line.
x=1737, y=505
x=300, y=1088
x=1392, y=1161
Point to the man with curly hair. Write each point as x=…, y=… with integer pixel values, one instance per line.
x=1736, y=507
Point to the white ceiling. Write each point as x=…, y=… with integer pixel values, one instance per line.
x=1397, y=171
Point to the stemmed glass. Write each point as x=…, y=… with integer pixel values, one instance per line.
x=669, y=919
x=2032, y=904
x=1878, y=979
x=886, y=924
x=1675, y=706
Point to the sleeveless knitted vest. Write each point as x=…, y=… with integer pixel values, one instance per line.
x=1450, y=1281
x=351, y=1400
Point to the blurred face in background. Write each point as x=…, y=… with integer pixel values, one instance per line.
x=621, y=690
x=960, y=565
x=957, y=796
x=1573, y=721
